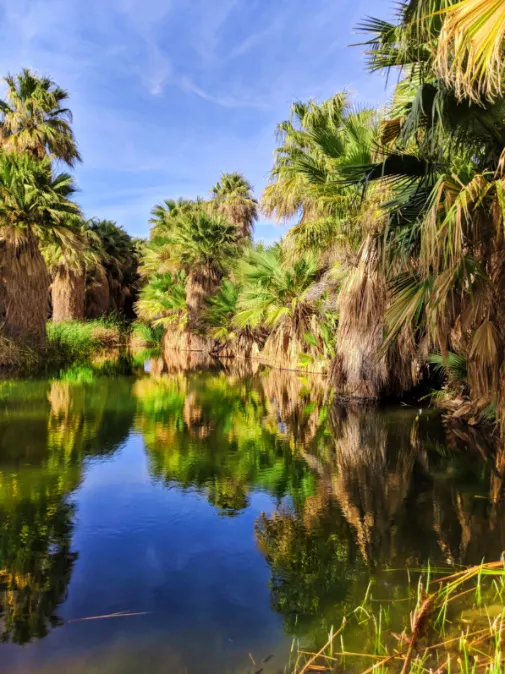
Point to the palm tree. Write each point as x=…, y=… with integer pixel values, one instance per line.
x=232, y=197
x=319, y=145
x=33, y=119
x=68, y=266
x=35, y=208
x=113, y=284
x=445, y=248
x=202, y=245
x=315, y=145
x=156, y=253
x=275, y=297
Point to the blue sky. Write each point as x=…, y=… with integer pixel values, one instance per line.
x=167, y=94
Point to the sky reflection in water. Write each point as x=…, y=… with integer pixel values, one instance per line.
x=232, y=510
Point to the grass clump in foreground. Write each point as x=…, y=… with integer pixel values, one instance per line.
x=451, y=625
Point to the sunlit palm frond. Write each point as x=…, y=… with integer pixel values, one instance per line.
x=470, y=50
x=33, y=119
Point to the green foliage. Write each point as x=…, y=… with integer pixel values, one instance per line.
x=453, y=366
x=147, y=334
x=316, y=145
x=273, y=290
x=83, y=252
x=202, y=240
x=322, y=343
x=119, y=255
x=33, y=120
x=162, y=300
x=80, y=339
x=34, y=201
x=222, y=307
x=164, y=216
x=233, y=197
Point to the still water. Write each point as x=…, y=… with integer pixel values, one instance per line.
x=223, y=513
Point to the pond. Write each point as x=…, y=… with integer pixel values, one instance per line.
x=199, y=521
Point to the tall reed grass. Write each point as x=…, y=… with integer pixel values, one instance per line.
x=449, y=624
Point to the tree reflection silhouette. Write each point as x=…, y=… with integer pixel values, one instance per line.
x=354, y=490
x=49, y=429
x=222, y=435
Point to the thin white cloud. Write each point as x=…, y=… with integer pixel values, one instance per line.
x=224, y=101
x=257, y=38
x=167, y=94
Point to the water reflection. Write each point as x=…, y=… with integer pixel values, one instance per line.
x=220, y=435
x=48, y=430
x=35, y=558
x=35, y=520
x=348, y=491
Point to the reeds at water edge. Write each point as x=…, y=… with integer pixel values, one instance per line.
x=450, y=624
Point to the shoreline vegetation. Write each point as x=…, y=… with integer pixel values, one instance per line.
x=457, y=621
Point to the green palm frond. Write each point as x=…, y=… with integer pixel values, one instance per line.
x=315, y=146
x=204, y=240
x=221, y=310
x=35, y=201
x=83, y=251
x=233, y=198
x=33, y=119
x=453, y=366
x=272, y=289
x=162, y=300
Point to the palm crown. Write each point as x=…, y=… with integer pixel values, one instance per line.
x=204, y=240
x=34, y=201
x=233, y=198
x=33, y=119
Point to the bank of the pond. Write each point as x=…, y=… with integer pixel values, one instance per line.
x=92, y=342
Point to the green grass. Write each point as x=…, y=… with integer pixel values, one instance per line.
x=80, y=339
x=145, y=334
x=448, y=624
x=99, y=345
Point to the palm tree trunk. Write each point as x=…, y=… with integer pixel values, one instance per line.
x=68, y=294
x=360, y=369
x=195, y=297
x=25, y=292
x=98, y=295
x=357, y=371
x=199, y=285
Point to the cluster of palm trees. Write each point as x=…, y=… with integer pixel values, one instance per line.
x=217, y=291
x=397, y=254
x=45, y=242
